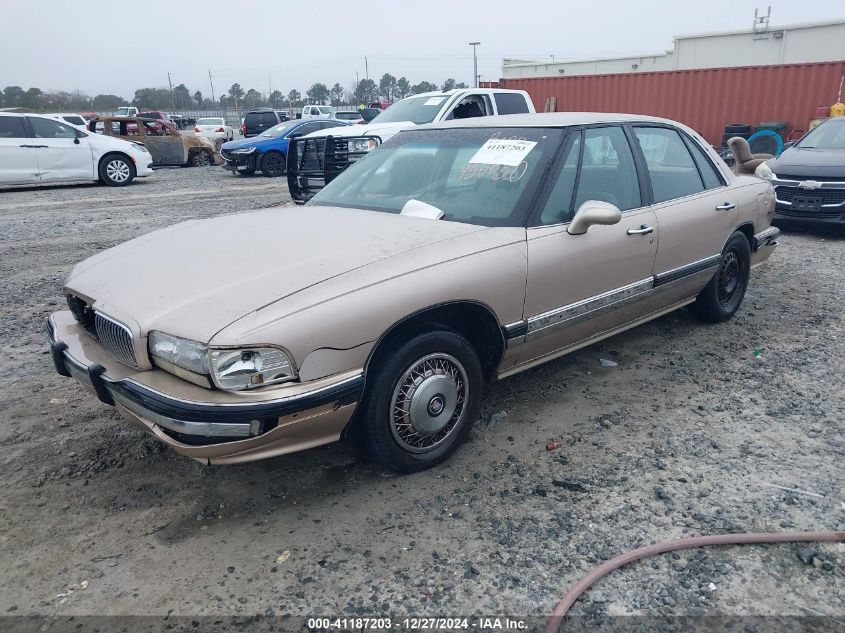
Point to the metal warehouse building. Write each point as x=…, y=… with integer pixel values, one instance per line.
x=706, y=81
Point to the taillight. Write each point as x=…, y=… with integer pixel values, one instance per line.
x=243, y=128
x=196, y=130
x=220, y=129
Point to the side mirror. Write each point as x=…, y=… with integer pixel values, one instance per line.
x=593, y=212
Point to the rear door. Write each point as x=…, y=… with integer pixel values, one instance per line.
x=18, y=162
x=695, y=212
x=580, y=286
x=63, y=153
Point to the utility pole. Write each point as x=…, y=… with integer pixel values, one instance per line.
x=269, y=87
x=366, y=68
x=475, y=62
x=172, y=98
x=212, y=86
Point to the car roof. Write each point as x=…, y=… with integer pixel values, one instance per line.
x=547, y=119
x=454, y=91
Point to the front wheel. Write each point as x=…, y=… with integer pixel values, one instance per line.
x=116, y=170
x=421, y=401
x=273, y=164
x=723, y=295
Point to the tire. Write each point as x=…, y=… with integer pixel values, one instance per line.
x=737, y=128
x=436, y=370
x=116, y=170
x=273, y=164
x=200, y=159
x=723, y=295
x=245, y=172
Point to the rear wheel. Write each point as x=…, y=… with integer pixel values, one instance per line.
x=723, y=295
x=422, y=401
x=116, y=170
x=273, y=164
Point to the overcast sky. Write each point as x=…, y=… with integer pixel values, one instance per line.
x=116, y=47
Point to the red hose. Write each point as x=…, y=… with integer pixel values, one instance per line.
x=670, y=546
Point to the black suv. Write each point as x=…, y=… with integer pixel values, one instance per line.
x=258, y=120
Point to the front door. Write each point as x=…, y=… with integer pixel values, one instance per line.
x=18, y=164
x=62, y=151
x=580, y=286
x=165, y=146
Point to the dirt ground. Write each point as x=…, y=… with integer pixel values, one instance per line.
x=696, y=430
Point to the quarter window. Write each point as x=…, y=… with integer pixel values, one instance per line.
x=708, y=172
x=558, y=208
x=12, y=127
x=671, y=169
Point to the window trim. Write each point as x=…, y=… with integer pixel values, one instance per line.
x=691, y=142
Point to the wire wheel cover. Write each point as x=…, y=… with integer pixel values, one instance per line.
x=428, y=402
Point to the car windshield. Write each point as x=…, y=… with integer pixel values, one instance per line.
x=828, y=135
x=348, y=115
x=210, y=122
x=150, y=115
x=415, y=109
x=279, y=130
x=484, y=176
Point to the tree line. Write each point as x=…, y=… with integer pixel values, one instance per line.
x=387, y=88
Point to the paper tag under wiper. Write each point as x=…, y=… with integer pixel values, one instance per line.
x=419, y=209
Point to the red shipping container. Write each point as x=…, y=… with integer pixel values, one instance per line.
x=704, y=99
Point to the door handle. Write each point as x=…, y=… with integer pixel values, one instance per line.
x=644, y=229
x=27, y=145
x=727, y=206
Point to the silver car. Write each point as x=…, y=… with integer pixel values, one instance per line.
x=456, y=253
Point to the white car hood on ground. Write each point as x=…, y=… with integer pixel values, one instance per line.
x=383, y=130
x=197, y=277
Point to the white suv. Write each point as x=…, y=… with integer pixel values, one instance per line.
x=350, y=143
x=40, y=149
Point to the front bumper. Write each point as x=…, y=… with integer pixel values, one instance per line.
x=235, y=162
x=809, y=202
x=211, y=426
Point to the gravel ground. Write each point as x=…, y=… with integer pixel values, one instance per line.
x=696, y=430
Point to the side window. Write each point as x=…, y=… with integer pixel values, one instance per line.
x=708, y=172
x=48, y=128
x=510, y=103
x=607, y=171
x=558, y=207
x=672, y=172
x=469, y=107
x=307, y=128
x=12, y=127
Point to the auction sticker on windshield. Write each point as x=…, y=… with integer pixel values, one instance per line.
x=497, y=151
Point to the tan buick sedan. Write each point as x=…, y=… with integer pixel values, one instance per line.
x=454, y=254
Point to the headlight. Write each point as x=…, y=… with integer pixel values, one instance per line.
x=244, y=150
x=764, y=171
x=178, y=351
x=140, y=147
x=248, y=368
x=363, y=144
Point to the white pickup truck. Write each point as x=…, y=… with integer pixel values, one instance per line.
x=307, y=175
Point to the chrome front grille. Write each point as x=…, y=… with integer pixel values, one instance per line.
x=116, y=339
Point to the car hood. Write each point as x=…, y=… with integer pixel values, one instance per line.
x=816, y=164
x=252, y=141
x=195, y=278
x=382, y=130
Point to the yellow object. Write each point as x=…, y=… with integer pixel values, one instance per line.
x=837, y=109
x=815, y=122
